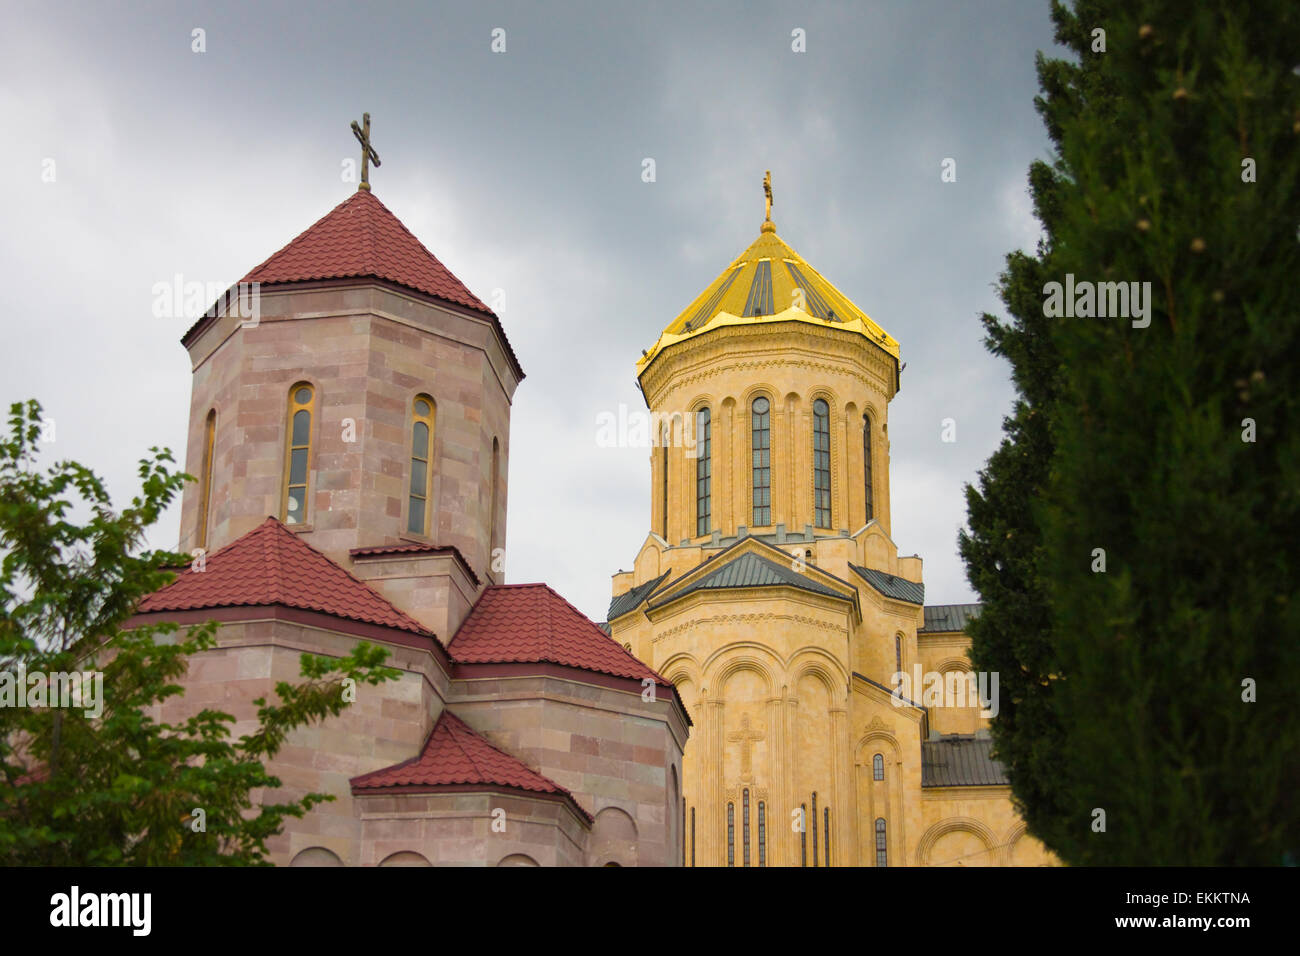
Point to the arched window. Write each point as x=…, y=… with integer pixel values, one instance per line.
x=898, y=653
x=866, y=467
x=878, y=767
x=822, y=463
x=703, y=471
x=762, y=834
x=882, y=857
x=744, y=820
x=297, y=453
x=205, y=501
x=496, y=477
x=731, y=834
x=803, y=834
x=692, y=836
x=418, y=512
x=663, y=480
x=761, y=447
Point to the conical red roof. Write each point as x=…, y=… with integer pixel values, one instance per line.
x=361, y=238
x=455, y=756
x=530, y=623
x=273, y=566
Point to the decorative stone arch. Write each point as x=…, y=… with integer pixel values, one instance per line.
x=316, y=856
x=405, y=858
x=815, y=662
x=887, y=801
x=517, y=859
x=723, y=664
x=957, y=665
x=765, y=389
x=679, y=665
x=700, y=401
x=614, y=837
x=867, y=747
x=953, y=825
x=1008, y=846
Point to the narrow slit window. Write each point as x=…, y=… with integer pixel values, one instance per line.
x=496, y=477
x=745, y=823
x=692, y=836
x=803, y=834
x=297, y=453
x=761, y=447
x=418, y=511
x=812, y=824
x=731, y=834
x=866, y=467
x=762, y=833
x=205, y=502
x=878, y=767
x=826, y=833
x=882, y=855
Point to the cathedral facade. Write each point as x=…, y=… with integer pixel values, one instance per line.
x=770, y=592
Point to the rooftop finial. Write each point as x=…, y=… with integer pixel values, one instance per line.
x=768, y=225
x=362, y=133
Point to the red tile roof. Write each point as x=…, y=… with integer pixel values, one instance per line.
x=530, y=623
x=455, y=756
x=273, y=566
x=360, y=238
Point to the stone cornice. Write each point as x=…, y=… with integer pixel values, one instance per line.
x=768, y=346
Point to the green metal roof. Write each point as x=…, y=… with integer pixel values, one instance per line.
x=753, y=571
x=960, y=762
x=631, y=599
x=891, y=586
x=948, y=617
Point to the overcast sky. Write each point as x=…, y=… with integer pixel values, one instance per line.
x=522, y=171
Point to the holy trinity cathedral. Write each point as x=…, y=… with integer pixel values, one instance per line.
x=770, y=592
x=350, y=434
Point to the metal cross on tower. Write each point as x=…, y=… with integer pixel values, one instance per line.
x=362, y=133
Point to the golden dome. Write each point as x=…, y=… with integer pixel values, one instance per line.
x=769, y=282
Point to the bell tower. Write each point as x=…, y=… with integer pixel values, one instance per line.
x=770, y=392
x=352, y=387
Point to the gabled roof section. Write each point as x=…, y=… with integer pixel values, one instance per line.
x=530, y=623
x=456, y=757
x=272, y=565
x=940, y=618
x=892, y=586
x=760, y=286
x=748, y=569
x=631, y=599
x=960, y=762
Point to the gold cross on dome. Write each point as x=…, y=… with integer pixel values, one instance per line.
x=767, y=191
x=362, y=133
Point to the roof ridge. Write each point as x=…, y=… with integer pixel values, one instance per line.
x=454, y=732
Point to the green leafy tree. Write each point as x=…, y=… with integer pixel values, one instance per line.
x=1166, y=508
x=121, y=787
